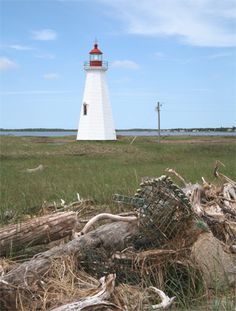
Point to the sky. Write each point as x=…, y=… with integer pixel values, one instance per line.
x=181, y=53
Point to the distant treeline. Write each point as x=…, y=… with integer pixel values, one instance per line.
x=37, y=130
x=203, y=129
x=207, y=129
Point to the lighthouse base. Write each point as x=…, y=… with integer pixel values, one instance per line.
x=90, y=135
x=96, y=139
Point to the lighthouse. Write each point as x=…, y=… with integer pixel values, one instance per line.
x=96, y=121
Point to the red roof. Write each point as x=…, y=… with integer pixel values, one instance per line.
x=95, y=50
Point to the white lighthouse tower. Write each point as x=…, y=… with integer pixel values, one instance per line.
x=96, y=122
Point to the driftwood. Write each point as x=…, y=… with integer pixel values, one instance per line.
x=30, y=274
x=103, y=216
x=214, y=251
x=48, y=231
x=95, y=301
x=166, y=301
x=36, y=169
x=216, y=205
x=217, y=265
x=36, y=231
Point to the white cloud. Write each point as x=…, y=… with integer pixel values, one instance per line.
x=51, y=76
x=126, y=64
x=44, y=35
x=195, y=22
x=6, y=64
x=19, y=47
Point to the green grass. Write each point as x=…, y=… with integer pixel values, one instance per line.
x=99, y=169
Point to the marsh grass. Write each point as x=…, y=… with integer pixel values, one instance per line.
x=99, y=169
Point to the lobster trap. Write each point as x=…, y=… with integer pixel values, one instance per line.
x=163, y=210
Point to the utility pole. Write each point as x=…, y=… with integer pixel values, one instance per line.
x=158, y=109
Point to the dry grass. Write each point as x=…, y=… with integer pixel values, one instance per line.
x=64, y=283
x=67, y=282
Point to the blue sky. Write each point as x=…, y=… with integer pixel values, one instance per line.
x=179, y=52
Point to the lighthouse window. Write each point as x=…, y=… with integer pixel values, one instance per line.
x=85, y=109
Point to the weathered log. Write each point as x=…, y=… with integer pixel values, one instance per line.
x=217, y=266
x=36, y=231
x=108, y=238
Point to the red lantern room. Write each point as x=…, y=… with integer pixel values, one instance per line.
x=95, y=56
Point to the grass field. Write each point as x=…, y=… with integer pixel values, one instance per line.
x=97, y=170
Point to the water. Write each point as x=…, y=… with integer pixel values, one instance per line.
x=175, y=133
x=38, y=133
x=123, y=133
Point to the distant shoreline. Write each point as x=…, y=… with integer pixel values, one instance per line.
x=37, y=130
x=210, y=129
